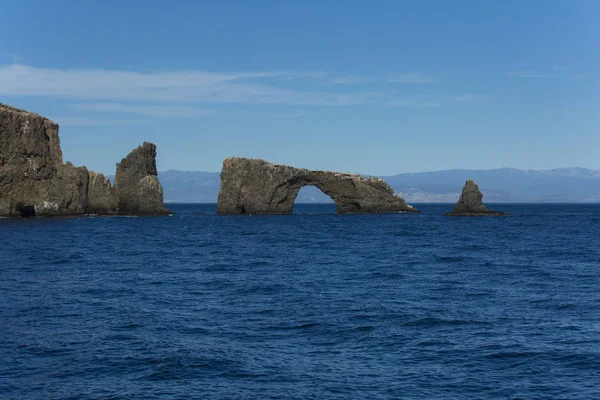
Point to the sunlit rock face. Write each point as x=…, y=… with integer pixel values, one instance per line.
x=137, y=188
x=470, y=202
x=34, y=181
x=251, y=186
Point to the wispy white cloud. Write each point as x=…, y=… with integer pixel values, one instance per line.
x=78, y=121
x=169, y=86
x=412, y=78
x=529, y=74
x=583, y=75
x=408, y=102
x=470, y=99
x=271, y=114
x=195, y=93
x=83, y=121
x=127, y=85
x=562, y=67
x=559, y=72
x=349, y=80
x=176, y=110
x=162, y=110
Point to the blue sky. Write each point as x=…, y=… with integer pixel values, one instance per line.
x=372, y=87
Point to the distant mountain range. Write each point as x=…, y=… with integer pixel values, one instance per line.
x=503, y=185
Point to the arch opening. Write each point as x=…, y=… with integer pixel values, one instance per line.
x=312, y=200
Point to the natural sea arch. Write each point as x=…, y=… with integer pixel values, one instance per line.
x=251, y=186
x=312, y=200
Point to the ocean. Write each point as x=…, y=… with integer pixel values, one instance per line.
x=307, y=306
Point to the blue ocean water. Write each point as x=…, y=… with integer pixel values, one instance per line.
x=307, y=306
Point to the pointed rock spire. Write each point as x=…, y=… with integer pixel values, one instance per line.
x=137, y=188
x=470, y=202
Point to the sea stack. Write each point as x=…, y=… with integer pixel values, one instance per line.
x=252, y=186
x=470, y=203
x=34, y=181
x=137, y=188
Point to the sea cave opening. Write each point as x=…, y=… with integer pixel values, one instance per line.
x=26, y=211
x=312, y=200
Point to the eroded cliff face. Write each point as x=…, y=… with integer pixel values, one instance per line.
x=470, y=202
x=137, y=188
x=33, y=178
x=251, y=186
x=35, y=182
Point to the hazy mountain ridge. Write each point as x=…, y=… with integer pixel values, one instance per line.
x=498, y=185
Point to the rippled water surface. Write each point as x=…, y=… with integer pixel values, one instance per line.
x=308, y=306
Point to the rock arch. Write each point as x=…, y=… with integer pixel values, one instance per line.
x=251, y=186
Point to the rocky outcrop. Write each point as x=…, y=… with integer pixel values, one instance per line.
x=137, y=188
x=251, y=186
x=101, y=195
x=33, y=178
x=34, y=181
x=470, y=202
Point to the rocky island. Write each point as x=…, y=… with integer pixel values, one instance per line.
x=470, y=203
x=34, y=181
x=252, y=186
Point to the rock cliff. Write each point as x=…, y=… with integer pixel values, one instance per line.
x=470, y=202
x=251, y=186
x=137, y=188
x=34, y=181
x=33, y=178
